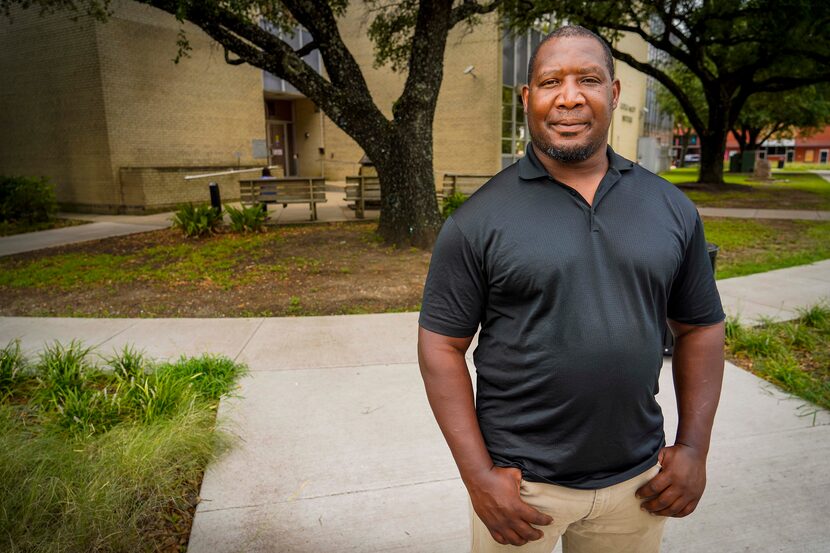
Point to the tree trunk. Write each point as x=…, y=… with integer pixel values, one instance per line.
x=712, y=149
x=713, y=141
x=408, y=207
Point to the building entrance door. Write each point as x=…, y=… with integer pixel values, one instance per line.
x=280, y=128
x=278, y=153
x=822, y=156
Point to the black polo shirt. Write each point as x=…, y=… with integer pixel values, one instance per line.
x=572, y=300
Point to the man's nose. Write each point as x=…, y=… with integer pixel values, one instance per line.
x=570, y=95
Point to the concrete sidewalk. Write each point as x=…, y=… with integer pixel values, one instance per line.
x=337, y=449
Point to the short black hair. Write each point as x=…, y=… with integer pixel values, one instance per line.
x=570, y=31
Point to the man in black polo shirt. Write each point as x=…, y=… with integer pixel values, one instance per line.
x=572, y=260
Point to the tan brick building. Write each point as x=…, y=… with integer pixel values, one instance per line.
x=103, y=111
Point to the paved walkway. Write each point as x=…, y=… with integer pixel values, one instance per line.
x=337, y=449
x=751, y=213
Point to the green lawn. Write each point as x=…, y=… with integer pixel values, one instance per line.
x=788, y=190
x=750, y=246
x=794, y=355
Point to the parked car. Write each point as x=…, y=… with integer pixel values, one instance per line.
x=692, y=158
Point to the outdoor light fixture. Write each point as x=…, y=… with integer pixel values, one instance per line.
x=469, y=71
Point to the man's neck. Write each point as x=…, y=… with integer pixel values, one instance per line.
x=583, y=176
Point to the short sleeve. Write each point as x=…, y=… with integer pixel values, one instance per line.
x=694, y=297
x=455, y=289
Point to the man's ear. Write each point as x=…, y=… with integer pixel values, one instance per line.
x=525, y=92
x=615, y=93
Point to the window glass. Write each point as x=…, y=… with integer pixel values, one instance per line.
x=507, y=60
x=521, y=58
x=506, y=129
x=506, y=147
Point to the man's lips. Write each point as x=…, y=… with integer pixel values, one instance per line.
x=567, y=128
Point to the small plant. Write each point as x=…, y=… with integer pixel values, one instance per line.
x=62, y=370
x=195, y=221
x=817, y=316
x=128, y=365
x=452, y=202
x=12, y=366
x=211, y=376
x=247, y=219
x=27, y=199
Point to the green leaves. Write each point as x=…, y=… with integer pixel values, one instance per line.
x=247, y=219
x=196, y=221
x=451, y=203
x=68, y=391
x=27, y=199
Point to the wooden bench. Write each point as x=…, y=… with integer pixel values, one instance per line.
x=284, y=190
x=466, y=184
x=363, y=190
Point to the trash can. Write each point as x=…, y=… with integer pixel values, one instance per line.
x=780, y=163
x=668, y=337
x=735, y=163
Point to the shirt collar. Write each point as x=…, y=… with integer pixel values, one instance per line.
x=531, y=168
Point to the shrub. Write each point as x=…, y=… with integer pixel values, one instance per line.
x=247, y=219
x=197, y=221
x=27, y=199
x=452, y=202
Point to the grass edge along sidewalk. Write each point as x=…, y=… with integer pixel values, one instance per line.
x=794, y=355
x=105, y=457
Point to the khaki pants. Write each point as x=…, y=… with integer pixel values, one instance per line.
x=607, y=520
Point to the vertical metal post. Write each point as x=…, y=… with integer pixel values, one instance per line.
x=215, y=201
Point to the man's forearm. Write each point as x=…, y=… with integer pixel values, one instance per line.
x=494, y=491
x=450, y=394
x=697, y=366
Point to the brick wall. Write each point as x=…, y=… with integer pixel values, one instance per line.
x=52, y=118
x=82, y=100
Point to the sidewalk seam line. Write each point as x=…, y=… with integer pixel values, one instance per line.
x=337, y=494
x=248, y=341
x=123, y=330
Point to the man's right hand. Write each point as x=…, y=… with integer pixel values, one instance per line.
x=496, y=501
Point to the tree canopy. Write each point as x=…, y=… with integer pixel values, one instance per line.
x=734, y=49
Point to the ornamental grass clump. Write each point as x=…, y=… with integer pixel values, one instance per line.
x=106, y=457
x=13, y=367
x=197, y=220
x=247, y=219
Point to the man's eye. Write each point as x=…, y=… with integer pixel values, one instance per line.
x=550, y=82
x=590, y=80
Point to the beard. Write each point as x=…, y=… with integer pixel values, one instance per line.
x=566, y=154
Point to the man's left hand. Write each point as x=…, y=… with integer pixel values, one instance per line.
x=677, y=488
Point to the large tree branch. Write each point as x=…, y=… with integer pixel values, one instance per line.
x=681, y=96
x=426, y=64
x=469, y=8
x=782, y=83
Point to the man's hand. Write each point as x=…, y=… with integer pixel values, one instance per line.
x=495, y=498
x=677, y=488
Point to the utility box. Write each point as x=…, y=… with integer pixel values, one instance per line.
x=742, y=162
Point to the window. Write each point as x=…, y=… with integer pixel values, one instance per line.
x=516, y=51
